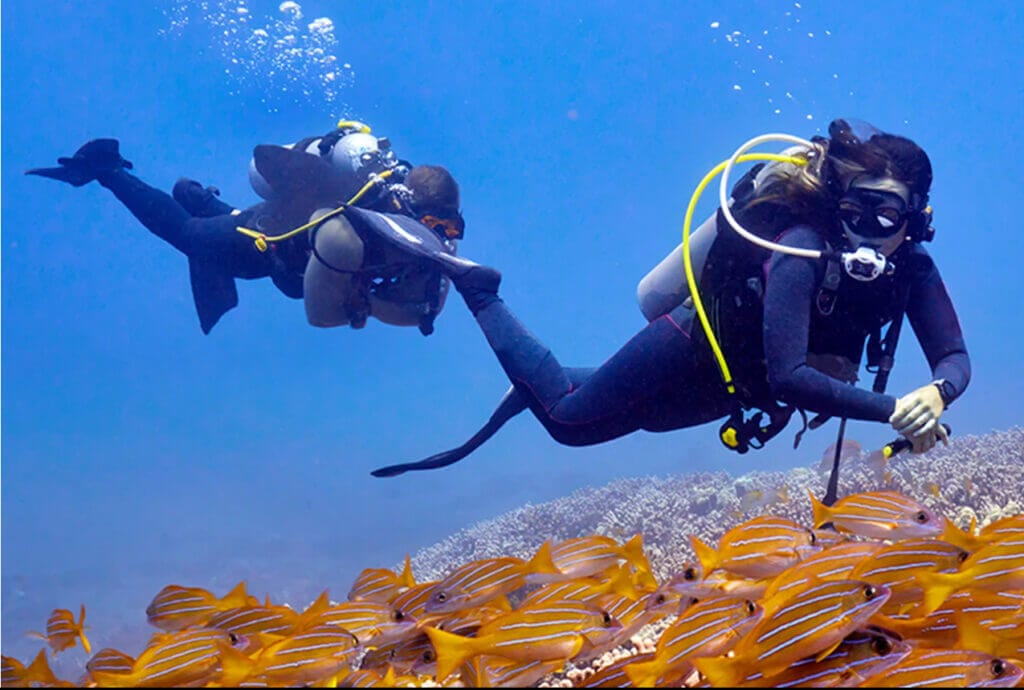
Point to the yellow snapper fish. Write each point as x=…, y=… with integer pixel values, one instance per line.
x=939, y=628
x=835, y=563
x=381, y=584
x=897, y=565
x=478, y=581
x=613, y=674
x=586, y=588
x=1001, y=638
x=174, y=659
x=758, y=548
x=464, y=621
x=585, y=556
x=1009, y=526
x=109, y=660
x=706, y=628
x=997, y=566
x=759, y=499
x=371, y=622
x=813, y=622
x=63, y=631
x=546, y=632
x=310, y=655
x=947, y=668
x=249, y=620
x=632, y=614
x=413, y=601
x=37, y=674
x=861, y=655
x=879, y=515
x=675, y=593
x=176, y=607
x=486, y=671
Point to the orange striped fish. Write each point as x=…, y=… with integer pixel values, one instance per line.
x=939, y=628
x=415, y=655
x=879, y=515
x=897, y=565
x=613, y=674
x=1001, y=638
x=173, y=659
x=758, y=548
x=1009, y=526
x=38, y=674
x=308, y=656
x=677, y=591
x=381, y=584
x=109, y=660
x=465, y=621
x=478, y=581
x=835, y=563
x=413, y=601
x=706, y=628
x=947, y=668
x=812, y=622
x=630, y=613
x=584, y=588
x=585, y=556
x=62, y=631
x=251, y=620
x=176, y=607
x=861, y=655
x=486, y=671
x=997, y=566
x=370, y=621
x=559, y=630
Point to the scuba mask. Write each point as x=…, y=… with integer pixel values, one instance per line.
x=874, y=215
x=452, y=228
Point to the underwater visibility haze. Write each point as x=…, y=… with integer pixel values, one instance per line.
x=137, y=451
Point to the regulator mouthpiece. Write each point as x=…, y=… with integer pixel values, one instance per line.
x=865, y=264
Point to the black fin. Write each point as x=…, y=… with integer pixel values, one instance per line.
x=512, y=403
x=91, y=159
x=213, y=291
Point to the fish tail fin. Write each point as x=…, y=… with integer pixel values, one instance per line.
x=542, y=563
x=937, y=588
x=822, y=513
x=319, y=605
x=80, y=630
x=645, y=674
x=707, y=556
x=621, y=583
x=452, y=650
x=405, y=578
x=235, y=666
x=633, y=551
x=721, y=672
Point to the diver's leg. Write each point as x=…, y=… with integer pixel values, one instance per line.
x=331, y=292
x=200, y=201
x=213, y=238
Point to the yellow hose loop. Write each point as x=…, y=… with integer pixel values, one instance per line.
x=262, y=240
x=355, y=125
x=691, y=279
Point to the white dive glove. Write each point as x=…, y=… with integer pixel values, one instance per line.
x=916, y=417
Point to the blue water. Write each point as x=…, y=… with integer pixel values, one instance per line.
x=138, y=452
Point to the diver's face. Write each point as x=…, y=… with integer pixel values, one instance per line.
x=874, y=218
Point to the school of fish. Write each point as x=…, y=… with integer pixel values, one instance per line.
x=879, y=592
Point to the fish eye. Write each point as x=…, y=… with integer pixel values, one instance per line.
x=233, y=638
x=962, y=556
x=428, y=656
x=441, y=596
x=659, y=599
x=881, y=645
x=921, y=517
x=751, y=607
x=607, y=618
x=398, y=615
x=998, y=667
x=814, y=537
x=693, y=600
x=870, y=592
x=690, y=573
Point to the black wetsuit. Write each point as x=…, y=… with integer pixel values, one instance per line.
x=217, y=252
x=664, y=378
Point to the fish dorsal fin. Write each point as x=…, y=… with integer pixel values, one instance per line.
x=707, y=556
x=237, y=597
x=621, y=583
x=542, y=562
x=633, y=551
x=319, y=605
x=405, y=578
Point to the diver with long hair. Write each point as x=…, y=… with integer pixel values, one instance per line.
x=794, y=327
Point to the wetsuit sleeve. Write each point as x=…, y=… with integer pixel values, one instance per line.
x=790, y=289
x=932, y=316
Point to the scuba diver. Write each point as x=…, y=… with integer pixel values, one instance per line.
x=336, y=211
x=828, y=250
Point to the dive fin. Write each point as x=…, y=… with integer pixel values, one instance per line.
x=299, y=175
x=91, y=159
x=213, y=291
x=512, y=403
